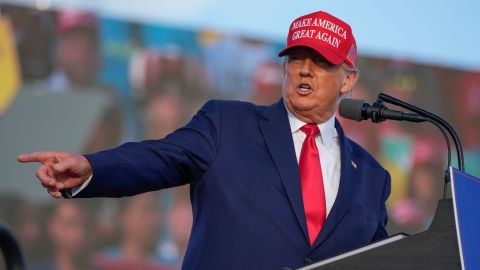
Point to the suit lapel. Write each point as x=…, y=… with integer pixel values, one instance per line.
x=277, y=133
x=278, y=136
x=346, y=190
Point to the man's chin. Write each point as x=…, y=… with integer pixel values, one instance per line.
x=302, y=104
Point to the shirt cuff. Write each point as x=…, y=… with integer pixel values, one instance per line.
x=76, y=190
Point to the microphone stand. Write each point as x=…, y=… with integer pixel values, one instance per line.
x=443, y=222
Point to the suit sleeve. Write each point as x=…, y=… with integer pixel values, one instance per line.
x=381, y=232
x=180, y=158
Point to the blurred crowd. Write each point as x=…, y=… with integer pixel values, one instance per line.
x=149, y=231
x=154, y=79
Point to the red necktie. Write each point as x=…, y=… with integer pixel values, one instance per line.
x=311, y=180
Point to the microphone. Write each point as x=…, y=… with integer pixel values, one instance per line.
x=359, y=110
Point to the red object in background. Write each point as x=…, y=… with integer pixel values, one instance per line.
x=427, y=149
x=467, y=102
x=71, y=19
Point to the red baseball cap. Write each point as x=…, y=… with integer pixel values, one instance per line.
x=326, y=34
x=71, y=19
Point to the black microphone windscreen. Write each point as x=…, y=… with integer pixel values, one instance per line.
x=351, y=108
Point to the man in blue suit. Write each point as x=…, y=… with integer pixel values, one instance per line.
x=271, y=187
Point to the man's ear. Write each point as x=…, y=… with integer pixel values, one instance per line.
x=350, y=80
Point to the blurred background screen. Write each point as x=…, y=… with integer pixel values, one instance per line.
x=82, y=76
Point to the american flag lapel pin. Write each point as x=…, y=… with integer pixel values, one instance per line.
x=354, y=165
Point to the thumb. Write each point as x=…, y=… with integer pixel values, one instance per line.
x=64, y=165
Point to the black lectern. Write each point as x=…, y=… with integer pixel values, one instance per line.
x=436, y=248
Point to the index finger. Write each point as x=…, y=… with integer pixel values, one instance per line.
x=36, y=157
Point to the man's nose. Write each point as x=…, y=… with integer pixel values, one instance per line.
x=306, y=69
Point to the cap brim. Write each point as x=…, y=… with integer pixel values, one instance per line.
x=325, y=52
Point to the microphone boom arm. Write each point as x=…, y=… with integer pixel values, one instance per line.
x=441, y=121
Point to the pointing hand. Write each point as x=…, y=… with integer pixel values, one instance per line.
x=59, y=170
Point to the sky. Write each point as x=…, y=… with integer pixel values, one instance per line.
x=437, y=32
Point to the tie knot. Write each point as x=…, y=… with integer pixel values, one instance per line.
x=310, y=129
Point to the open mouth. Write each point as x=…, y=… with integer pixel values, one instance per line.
x=304, y=88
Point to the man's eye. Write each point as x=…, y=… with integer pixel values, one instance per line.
x=321, y=62
x=295, y=57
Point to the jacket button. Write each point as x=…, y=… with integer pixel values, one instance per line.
x=307, y=261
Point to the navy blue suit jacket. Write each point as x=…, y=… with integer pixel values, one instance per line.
x=245, y=189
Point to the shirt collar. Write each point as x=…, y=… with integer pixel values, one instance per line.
x=327, y=128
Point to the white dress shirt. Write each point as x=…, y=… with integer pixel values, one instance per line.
x=329, y=150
